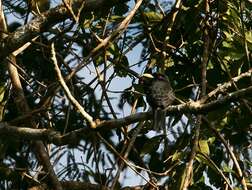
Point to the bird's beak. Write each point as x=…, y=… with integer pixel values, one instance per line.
x=147, y=75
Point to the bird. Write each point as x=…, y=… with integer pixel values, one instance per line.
x=159, y=95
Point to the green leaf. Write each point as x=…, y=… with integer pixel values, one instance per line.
x=153, y=16
x=226, y=44
x=121, y=62
x=211, y=140
x=227, y=169
x=229, y=37
x=202, y=159
x=177, y=156
x=151, y=145
x=249, y=36
x=203, y=147
x=116, y=18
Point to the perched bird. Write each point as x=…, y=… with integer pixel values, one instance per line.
x=159, y=95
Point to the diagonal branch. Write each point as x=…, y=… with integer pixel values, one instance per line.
x=225, y=86
x=22, y=105
x=75, y=103
x=231, y=153
x=45, y=21
x=38, y=146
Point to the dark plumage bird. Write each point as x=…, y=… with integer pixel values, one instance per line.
x=159, y=95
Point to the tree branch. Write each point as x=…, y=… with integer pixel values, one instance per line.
x=225, y=86
x=77, y=135
x=231, y=153
x=75, y=103
x=46, y=20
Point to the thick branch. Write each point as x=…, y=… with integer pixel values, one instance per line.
x=225, y=86
x=77, y=185
x=77, y=135
x=26, y=133
x=22, y=105
x=48, y=19
x=11, y=174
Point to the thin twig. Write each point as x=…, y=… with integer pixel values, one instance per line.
x=189, y=168
x=124, y=158
x=108, y=40
x=217, y=168
x=217, y=133
x=234, y=84
x=75, y=103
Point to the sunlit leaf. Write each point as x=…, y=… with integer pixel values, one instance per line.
x=203, y=147
x=2, y=92
x=227, y=169
x=249, y=36
x=177, y=156
x=153, y=16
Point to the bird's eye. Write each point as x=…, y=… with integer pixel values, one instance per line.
x=160, y=77
x=141, y=81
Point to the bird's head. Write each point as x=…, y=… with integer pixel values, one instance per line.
x=148, y=78
x=159, y=76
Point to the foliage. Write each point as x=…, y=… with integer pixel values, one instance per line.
x=174, y=41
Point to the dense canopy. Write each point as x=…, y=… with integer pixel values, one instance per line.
x=73, y=114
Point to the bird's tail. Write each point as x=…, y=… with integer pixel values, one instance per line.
x=159, y=119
